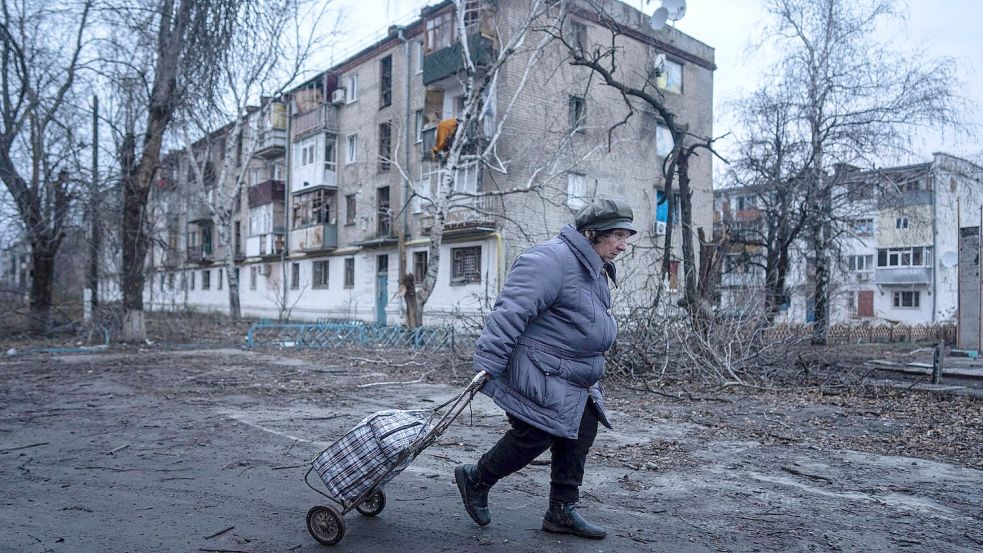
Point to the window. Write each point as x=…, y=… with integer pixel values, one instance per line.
x=861, y=262
x=330, y=164
x=577, y=35
x=901, y=223
x=313, y=208
x=350, y=209
x=191, y=283
x=295, y=276
x=385, y=82
x=385, y=146
x=351, y=91
x=252, y=277
x=384, y=226
x=662, y=207
x=576, y=113
x=673, y=276
x=576, y=190
x=918, y=256
x=466, y=265
x=439, y=32
x=663, y=141
x=466, y=178
x=419, y=266
x=220, y=279
x=351, y=155
x=261, y=220
x=349, y=272
x=170, y=281
x=419, y=57
x=862, y=227
x=418, y=126
x=206, y=279
x=910, y=299
x=671, y=77
x=320, y=278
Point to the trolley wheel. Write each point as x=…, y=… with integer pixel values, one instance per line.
x=325, y=524
x=373, y=505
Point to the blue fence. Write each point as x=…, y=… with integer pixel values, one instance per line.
x=327, y=335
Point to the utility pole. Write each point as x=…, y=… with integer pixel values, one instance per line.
x=94, y=238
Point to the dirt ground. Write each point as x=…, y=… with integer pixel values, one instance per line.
x=155, y=449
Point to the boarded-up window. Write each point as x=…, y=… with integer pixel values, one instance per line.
x=865, y=303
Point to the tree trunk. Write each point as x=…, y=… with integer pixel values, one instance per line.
x=42, y=278
x=413, y=319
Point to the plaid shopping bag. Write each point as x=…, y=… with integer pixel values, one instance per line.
x=351, y=466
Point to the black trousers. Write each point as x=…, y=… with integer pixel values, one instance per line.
x=524, y=442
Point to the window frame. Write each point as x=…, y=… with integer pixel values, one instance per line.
x=461, y=274
x=351, y=149
x=349, y=272
x=320, y=274
x=386, y=82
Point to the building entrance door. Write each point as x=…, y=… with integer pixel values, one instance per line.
x=381, y=288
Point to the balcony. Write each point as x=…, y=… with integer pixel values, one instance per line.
x=449, y=60
x=312, y=177
x=271, y=143
x=476, y=137
x=904, y=199
x=903, y=276
x=266, y=192
x=200, y=254
x=321, y=118
x=260, y=245
x=467, y=215
x=317, y=237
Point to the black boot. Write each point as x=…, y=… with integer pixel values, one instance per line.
x=473, y=492
x=563, y=518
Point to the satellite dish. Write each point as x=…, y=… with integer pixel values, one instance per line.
x=659, y=18
x=676, y=8
x=949, y=259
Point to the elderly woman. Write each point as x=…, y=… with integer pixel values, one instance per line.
x=542, y=349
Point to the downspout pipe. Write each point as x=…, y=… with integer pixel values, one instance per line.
x=404, y=192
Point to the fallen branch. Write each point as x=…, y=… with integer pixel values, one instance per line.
x=288, y=467
x=417, y=381
x=798, y=472
x=219, y=533
x=9, y=449
x=120, y=448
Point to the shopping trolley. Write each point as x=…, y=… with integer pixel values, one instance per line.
x=358, y=465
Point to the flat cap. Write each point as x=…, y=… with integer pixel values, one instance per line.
x=605, y=214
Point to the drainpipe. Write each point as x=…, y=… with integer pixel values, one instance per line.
x=286, y=202
x=404, y=193
x=935, y=251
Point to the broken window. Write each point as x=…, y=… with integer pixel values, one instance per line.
x=385, y=146
x=466, y=265
x=385, y=81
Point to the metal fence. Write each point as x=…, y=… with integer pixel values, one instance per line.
x=871, y=334
x=333, y=334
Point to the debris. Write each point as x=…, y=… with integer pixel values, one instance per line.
x=118, y=449
x=798, y=472
x=219, y=533
x=12, y=351
x=23, y=447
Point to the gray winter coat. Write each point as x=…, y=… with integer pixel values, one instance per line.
x=542, y=344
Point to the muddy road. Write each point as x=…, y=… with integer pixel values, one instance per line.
x=205, y=450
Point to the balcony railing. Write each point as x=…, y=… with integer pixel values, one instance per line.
x=467, y=213
x=271, y=143
x=270, y=243
x=476, y=137
x=450, y=60
x=904, y=199
x=266, y=192
x=902, y=276
x=322, y=236
x=199, y=254
x=323, y=117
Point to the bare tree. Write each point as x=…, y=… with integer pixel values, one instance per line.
x=607, y=62
x=244, y=112
x=474, y=141
x=38, y=144
x=855, y=100
x=188, y=39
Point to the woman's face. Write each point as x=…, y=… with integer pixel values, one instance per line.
x=611, y=245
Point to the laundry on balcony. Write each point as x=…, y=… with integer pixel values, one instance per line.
x=445, y=134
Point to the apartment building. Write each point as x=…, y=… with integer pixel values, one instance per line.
x=341, y=180
x=901, y=254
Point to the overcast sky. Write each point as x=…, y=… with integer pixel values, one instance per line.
x=940, y=27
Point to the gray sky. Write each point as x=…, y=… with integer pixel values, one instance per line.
x=939, y=27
